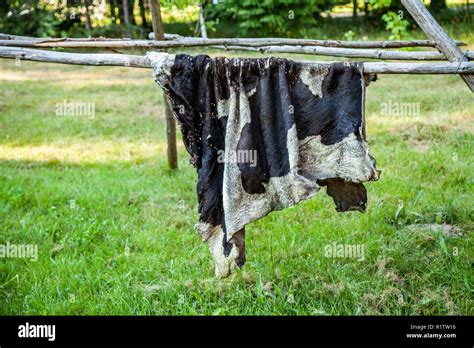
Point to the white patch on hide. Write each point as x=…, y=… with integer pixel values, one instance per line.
x=205, y=230
x=313, y=76
x=252, y=92
x=348, y=159
x=222, y=108
x=240, y=207
x=214, y=236
x=292, y=146
x=161, y=63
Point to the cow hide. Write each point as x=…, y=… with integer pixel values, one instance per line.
x=265, y=134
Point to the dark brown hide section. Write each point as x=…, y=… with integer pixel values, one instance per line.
x=346, y=195
x=238, y=239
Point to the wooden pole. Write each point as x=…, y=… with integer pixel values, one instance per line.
x=313, y=50
x=159, y=32
x=97, y=59
x=437, y=34
x=134, y=61
x=345, y=52
x=176, y=41
x=202, y=23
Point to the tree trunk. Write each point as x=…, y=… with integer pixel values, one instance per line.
x=141, y=4
x=354, y=9
x=155, y=10
x=126, y=17
x=202, y=23
x=87, y=15
x=126, y=13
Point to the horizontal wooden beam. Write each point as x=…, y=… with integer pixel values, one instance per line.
x=97, y=59
x=418, y=68
x=4, y=36
x=332, y=43
x=346, y=52
x=313, y=50
x=175, y=41
x=135, y=61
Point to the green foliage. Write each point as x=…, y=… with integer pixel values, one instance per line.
x=380, y=4
x=29, y=18
x=349, y=35
x=231, y=18
x=272, y=17
x=46, y=18
x=396, y=24
x=393, y=19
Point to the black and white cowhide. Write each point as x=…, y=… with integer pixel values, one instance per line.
x=265, y=134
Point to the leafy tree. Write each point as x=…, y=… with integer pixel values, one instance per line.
x=396, y=24
x=28, y=17
x=392, y=14
x=272, y=17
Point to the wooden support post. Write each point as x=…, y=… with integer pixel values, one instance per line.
x=436, y=33
x=159, y=32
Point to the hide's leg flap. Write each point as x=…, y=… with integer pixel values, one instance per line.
x=369, y=77
x=227, y=255
x=346, y=195
x=238, y=240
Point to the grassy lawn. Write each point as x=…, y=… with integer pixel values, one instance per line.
x=114, y=227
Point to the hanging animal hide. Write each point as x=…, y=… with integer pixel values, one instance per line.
x=265, y=134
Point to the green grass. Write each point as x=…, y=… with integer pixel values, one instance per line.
x=114, y=226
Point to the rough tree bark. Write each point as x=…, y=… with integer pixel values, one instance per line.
x=156, y=21
x=85, y=3
x=126, y=17
x=133, y=61
x=176, y=41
